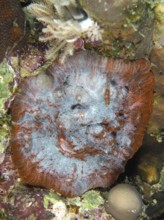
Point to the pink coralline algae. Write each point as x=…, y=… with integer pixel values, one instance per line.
x=76, y=125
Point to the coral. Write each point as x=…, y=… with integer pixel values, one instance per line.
x=13, y=26
x=124, y=202
x=75, y=126
x=64, y=23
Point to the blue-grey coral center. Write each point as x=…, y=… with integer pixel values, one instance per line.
x=70, y=115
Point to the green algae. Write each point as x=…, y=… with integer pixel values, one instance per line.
x=89, y=201
x=161, y=182
x=50, y=198
x=6, y=76
x=4, y=216
x=4, y=131
x=159, y=10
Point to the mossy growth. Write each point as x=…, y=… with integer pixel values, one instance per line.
x=158, y=134
x=4, y=131
x=152, y=3
x=159, y=11
x=128, y=27
x=89, y=201
x=162, y=179
x=4, y=216
x=6, y=76
x=50, y=198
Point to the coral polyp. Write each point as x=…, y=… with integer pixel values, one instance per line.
x=76, y=125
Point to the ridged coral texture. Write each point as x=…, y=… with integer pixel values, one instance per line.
x=76, y=125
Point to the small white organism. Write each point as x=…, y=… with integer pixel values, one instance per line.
x=60, y=210
x=64, y=23
x=124, y=202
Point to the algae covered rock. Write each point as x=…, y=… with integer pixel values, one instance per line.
x=157, y=54
x=128, y=26
x=156, y=127
x=6, y=76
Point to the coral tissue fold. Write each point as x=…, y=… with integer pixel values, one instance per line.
x=76, y=126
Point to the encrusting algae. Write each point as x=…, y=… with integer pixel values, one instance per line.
x=6, y=77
